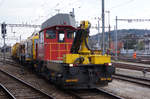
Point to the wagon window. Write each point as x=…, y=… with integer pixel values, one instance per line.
x=61, y=36
x=50, y=34
x=41, y=37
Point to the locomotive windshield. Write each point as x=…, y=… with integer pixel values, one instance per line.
x=70, y=34
x=50, y=34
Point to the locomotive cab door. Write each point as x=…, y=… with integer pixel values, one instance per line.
x=65, y=39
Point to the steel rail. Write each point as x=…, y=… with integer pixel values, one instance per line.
x=97, y=91
x=109, y=93
x=74, y=94
x=137, y=60
x=131, y=66
x=27, y=84
x=8, y=93
x=134, y=77
x=133, y=80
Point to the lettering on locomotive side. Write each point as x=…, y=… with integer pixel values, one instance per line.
x=105, y=79
x=72, y=80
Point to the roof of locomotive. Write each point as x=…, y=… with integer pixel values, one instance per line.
x=15, y=45
x=59, y=19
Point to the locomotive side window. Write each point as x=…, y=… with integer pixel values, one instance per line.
x=70, y=34
x=50, y=34
x=61, y=36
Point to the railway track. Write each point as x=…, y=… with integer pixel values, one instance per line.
x=90, y=94
x=5, y=94
x=8, y=61
x=137, y=80
x=143, y=60
x=138, y=67
x=21, y=89
x=36, y=81
x=85, y=94
x=94, y=94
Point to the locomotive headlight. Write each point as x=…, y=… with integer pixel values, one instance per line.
x=109, y=64
x=59, y=75
x=70, y=65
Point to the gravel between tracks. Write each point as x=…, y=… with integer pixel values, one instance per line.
x=3, y=95
x=36, y=81
x=19, y=90
x=128, y=90
x=132, y=72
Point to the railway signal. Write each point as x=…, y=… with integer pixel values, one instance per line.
x=3, y=29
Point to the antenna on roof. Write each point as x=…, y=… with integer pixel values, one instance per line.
x=57, y=10
x=72, y=13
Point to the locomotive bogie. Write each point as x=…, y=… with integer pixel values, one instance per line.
x=77, y=76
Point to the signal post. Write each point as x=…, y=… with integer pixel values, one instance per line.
x=3, y=31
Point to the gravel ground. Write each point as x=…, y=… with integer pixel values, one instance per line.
x=122, y=88
x=131, y=63
x=36, y=82
x=3, y=95
x=128, y=90
x=132, y=72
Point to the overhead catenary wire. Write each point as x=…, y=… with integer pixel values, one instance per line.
x=122, y=4
x=1, y=2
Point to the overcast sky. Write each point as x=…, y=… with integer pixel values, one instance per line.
x=37, y=11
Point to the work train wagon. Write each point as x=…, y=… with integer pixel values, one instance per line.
x=50, y=55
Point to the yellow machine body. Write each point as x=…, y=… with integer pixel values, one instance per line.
x=36, y=37
x=30, y=47
x=85, y=54
x=100, y=59
x=14, y=50
x=94, y=59
x=70, y=58
x=84, y=49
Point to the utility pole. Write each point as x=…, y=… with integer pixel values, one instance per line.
x=109, y=36
x=103, y=28
x=20, y=38
x=116, y=39
x=108, y=42
x=98, y=32
x=98, y=27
